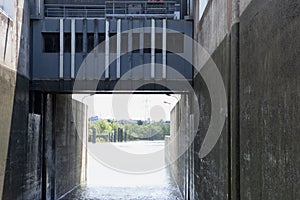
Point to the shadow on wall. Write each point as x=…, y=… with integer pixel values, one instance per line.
x=22, y=176
x=32, y=151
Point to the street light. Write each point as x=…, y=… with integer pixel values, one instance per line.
x=168, y=104
x=174, y=96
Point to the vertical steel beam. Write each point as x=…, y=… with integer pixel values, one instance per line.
x=73, y=43
x=61, y=49
x=164, y=51
x=153, y=48
x=84, y=39
x=96, y=37
x=142, y=45
x=95, y=49
x=130, y=47
x=84, y=44
x=118, y=48
x=107, y=49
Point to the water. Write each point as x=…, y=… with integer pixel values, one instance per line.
x=107, y=184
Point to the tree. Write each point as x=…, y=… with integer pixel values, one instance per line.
x=155, y=130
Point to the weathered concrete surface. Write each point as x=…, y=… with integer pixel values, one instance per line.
x=205, y=178
x=213, y=26
x=45, y=164
x=211, y=172
x=7, y=85
x=269, y=100
x=69, y=126
x=18, y=170
x=49, y=150
x=257, y=155
x=14, y=59
x=179, y=147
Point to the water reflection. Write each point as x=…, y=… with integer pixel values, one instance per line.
x=107, y=184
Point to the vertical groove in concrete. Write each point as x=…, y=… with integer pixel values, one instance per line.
x=235, y=113
x=234, y=102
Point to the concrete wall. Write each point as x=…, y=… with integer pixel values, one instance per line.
x=23, y=164
x=269, y=100
x=64, y=145
x=179, y=149
x=255, y=45
x=25, y=173
x=14, y=98
x=212, y=33
x=69, y=126
x=48, y=158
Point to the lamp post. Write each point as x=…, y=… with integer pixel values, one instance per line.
x=168, y=104
x=174, y=96
x=169, y=107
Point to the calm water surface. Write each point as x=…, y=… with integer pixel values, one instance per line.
x=107, y=184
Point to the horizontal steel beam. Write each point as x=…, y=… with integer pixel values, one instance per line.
x=66, y=86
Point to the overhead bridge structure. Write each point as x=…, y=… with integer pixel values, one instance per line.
x=114, y=46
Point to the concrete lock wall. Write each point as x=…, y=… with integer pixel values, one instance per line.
x=178, y=149
x=49, y=159
x=255, y=45
x=14, y=100
x=212, y=31
x=269, y=100
x=64, y=145
x=27, y=152
x=70, y=144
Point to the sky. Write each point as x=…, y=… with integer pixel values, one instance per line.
x=129, y=106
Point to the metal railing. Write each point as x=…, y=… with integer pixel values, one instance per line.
x=119, y=9
x=78, y=11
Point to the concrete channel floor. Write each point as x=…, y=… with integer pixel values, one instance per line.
x=107, y=184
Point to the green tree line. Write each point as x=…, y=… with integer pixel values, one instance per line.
x=135, y=131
